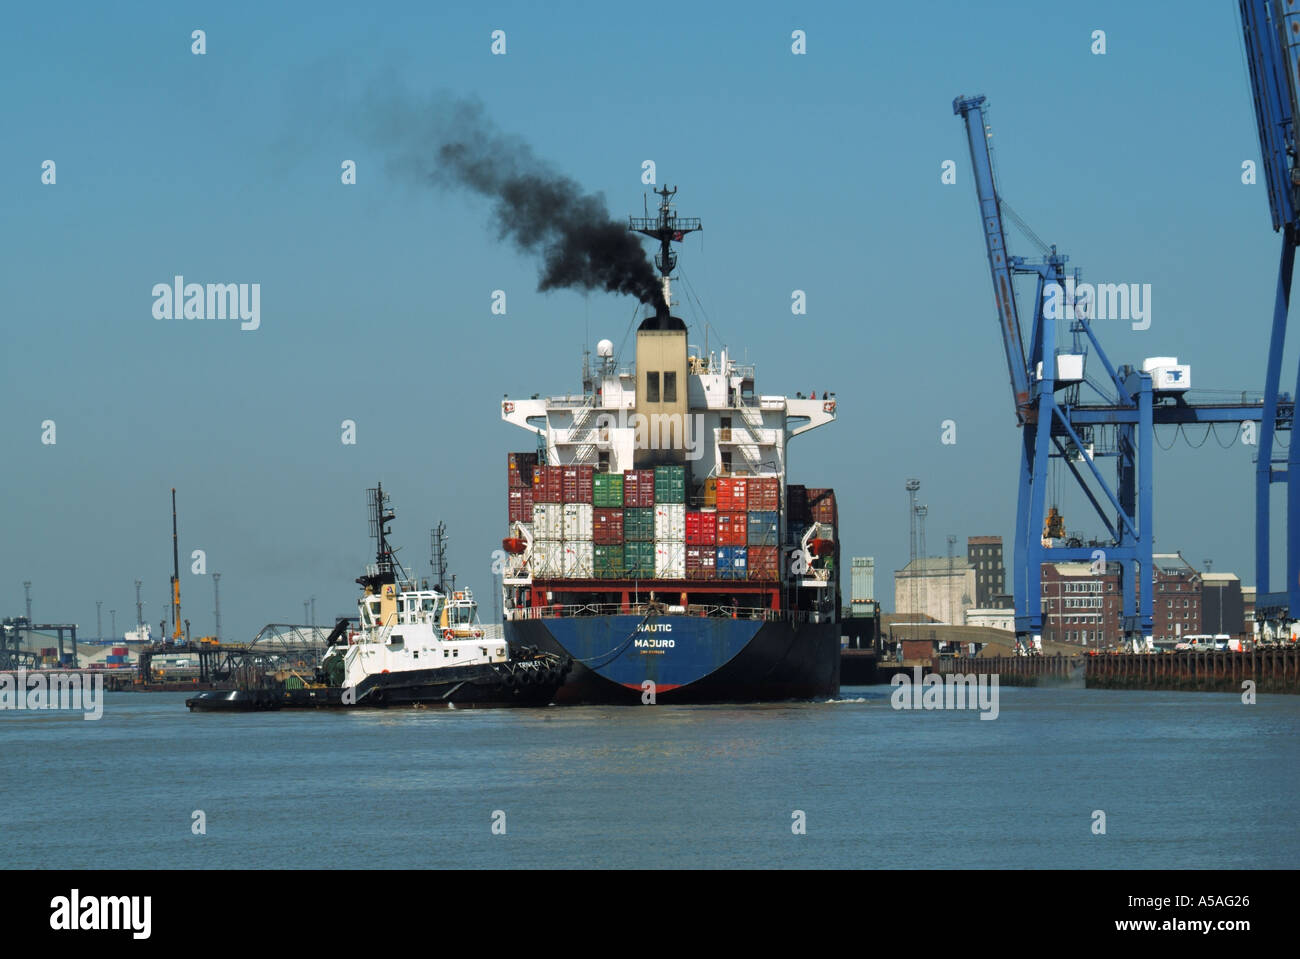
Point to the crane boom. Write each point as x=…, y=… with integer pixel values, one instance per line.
x=971, y=109
x=1274, y=94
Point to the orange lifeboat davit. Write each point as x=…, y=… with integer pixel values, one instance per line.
x=513, y=544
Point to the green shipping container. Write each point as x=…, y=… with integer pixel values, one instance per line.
x=639, y=559
x=608, y=561
x=639, y=524
x=607, y=490
x=670, y=484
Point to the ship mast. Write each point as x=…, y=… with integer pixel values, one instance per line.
x=381, y=514
x=667, y=228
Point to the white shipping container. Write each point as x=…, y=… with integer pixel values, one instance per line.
x=670, y=560
x=577, y=558
x=548, y=521
x=548, y=558
x=577, y=521
x=670, y=522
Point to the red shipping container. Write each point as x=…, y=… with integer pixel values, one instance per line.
x=733, y=529
x=701, y=562
x=521, y=505
x=796, y=506
x=701, y=529
x=732, y=494
x=764, y=494
x=521, y=469
x=576, y=483
x=763, y=563
x=547, y=485
x=639, y=488
x=821, y=506
x=607, y=527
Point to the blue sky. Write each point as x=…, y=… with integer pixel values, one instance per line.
x=818, y=172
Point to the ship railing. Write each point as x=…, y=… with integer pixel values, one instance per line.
x=747, y=446
x=644, y=609
x=567, y=402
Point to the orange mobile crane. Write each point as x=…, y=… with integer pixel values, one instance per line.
x=176, y=578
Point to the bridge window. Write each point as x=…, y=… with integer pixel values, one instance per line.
x=670, y=386
x=652, y=387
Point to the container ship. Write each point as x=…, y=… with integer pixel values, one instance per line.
x=653, y=537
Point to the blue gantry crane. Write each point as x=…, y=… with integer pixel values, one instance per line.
x=1072, y=418
x=1272, y=36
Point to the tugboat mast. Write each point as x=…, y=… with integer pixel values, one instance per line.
x=380, y=516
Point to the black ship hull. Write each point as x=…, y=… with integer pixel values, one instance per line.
x=690, y=659
x=523, y=684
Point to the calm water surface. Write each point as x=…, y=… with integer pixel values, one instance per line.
x=1190, y=780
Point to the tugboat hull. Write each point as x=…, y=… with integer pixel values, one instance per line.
x=527, y=684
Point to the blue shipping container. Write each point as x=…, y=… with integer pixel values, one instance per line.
x=762, y=528
x=733, y=562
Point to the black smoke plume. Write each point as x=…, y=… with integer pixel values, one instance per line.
x=453, y=143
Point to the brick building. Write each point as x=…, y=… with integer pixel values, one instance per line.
x=984, y=553
x=1176, y=610
x=1080, y=606
x=1085, y=608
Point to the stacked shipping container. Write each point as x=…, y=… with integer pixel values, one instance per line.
x=636, y=525
x=519, y=486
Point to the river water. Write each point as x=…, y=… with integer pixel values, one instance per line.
x=1184, y=780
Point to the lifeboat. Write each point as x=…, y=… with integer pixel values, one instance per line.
x=821, y=547
x=513, y=544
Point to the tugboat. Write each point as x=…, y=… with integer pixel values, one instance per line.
x=414, y=646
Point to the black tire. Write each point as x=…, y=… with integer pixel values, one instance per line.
x=510, y=680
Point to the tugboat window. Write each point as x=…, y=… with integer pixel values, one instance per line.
x=652, y=387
